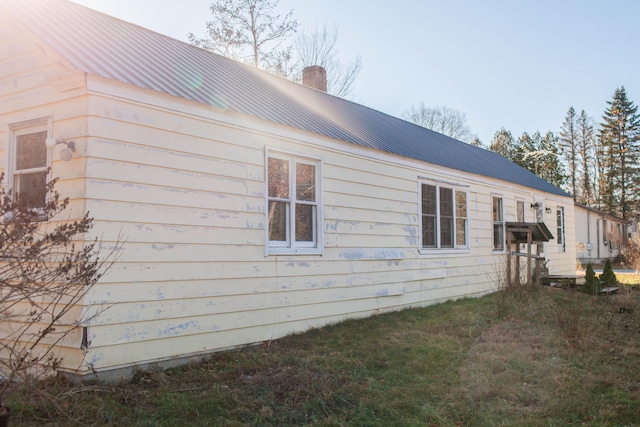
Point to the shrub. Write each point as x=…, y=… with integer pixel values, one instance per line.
x=591, y=283
x=46, y=269
x=631, y=251
x=608, y=277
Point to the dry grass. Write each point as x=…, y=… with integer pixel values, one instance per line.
x=556, y=357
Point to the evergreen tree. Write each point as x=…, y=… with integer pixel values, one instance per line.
x=551, y=167
x=608, y=277
x=619, y=140
x=587, y=168
x=591, y=282
x=569, y=146
x=503, y=144
x=476, y=142
x=540, y=155
x=527, y=152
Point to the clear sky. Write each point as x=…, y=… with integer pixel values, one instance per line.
x=517, y=64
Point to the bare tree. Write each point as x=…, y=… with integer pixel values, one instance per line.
x=631, y=251
x=444, y=120
x=250, y=31
x=319, y=47
x=46, y=270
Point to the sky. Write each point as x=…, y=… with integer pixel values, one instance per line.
x=513, y=64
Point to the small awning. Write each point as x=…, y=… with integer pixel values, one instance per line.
x=520, y=230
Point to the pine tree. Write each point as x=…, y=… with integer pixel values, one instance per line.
x=591, y=282
x=551, y=168
x=503, y=144
x=569, y=147
x=587, y=170
x=608, y=277
x=540, y=155
x=619, y=140
x=526, y=152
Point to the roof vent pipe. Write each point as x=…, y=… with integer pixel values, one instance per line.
x=315, y=77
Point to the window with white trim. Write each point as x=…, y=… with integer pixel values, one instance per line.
x=444, y=217
x=29, y=162
x=519, y=210
x=293, y=194
x=498, y=224
x=560, y=228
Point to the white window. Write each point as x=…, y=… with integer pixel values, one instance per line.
x=293, y=195
x=519, y=211
x=560, y=228
x=498, y=224
x=444, y=217
x=28, y=165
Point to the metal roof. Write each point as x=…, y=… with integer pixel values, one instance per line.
x=114, y=49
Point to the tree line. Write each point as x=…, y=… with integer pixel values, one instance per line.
x=599, y=164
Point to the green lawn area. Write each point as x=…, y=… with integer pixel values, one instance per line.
x=630, y=279
x=554, y=357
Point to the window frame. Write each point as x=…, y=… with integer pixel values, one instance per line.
x=438, y=217
x=291, y=246
x=498, y=222
x=16, y=130
x=520, y=203
x=560, y=229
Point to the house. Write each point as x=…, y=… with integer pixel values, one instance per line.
x=599, y=236
x=253, y=207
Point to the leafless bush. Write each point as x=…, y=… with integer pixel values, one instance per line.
x=509, y=291
x=46, y=269
x=569, y=316
x=631, y=251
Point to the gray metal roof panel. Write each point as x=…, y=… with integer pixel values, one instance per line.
x=114, y=49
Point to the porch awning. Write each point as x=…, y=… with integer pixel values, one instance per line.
x=520, y=230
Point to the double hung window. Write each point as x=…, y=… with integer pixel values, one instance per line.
x=560, y=228
x=444, y=219
x=498, y=224
x=29, y=165
x=519, y=211
x=293, y=215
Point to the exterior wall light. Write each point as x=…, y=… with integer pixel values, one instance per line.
x=67, y=153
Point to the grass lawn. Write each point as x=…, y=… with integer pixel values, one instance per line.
x=553, y=358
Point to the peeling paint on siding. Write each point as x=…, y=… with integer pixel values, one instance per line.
x=372, y=254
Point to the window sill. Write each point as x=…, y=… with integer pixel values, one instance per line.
x=290, y=251
x=443, y=251
x=36, y=215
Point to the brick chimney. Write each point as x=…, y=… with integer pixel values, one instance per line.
x=315, y=77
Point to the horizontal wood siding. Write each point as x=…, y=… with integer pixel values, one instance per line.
x=183, y=184
x=187, y=193
x=36, y=84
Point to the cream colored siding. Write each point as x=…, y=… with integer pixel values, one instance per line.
x=188, y=194
x=37, y=86
x=183, y=185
